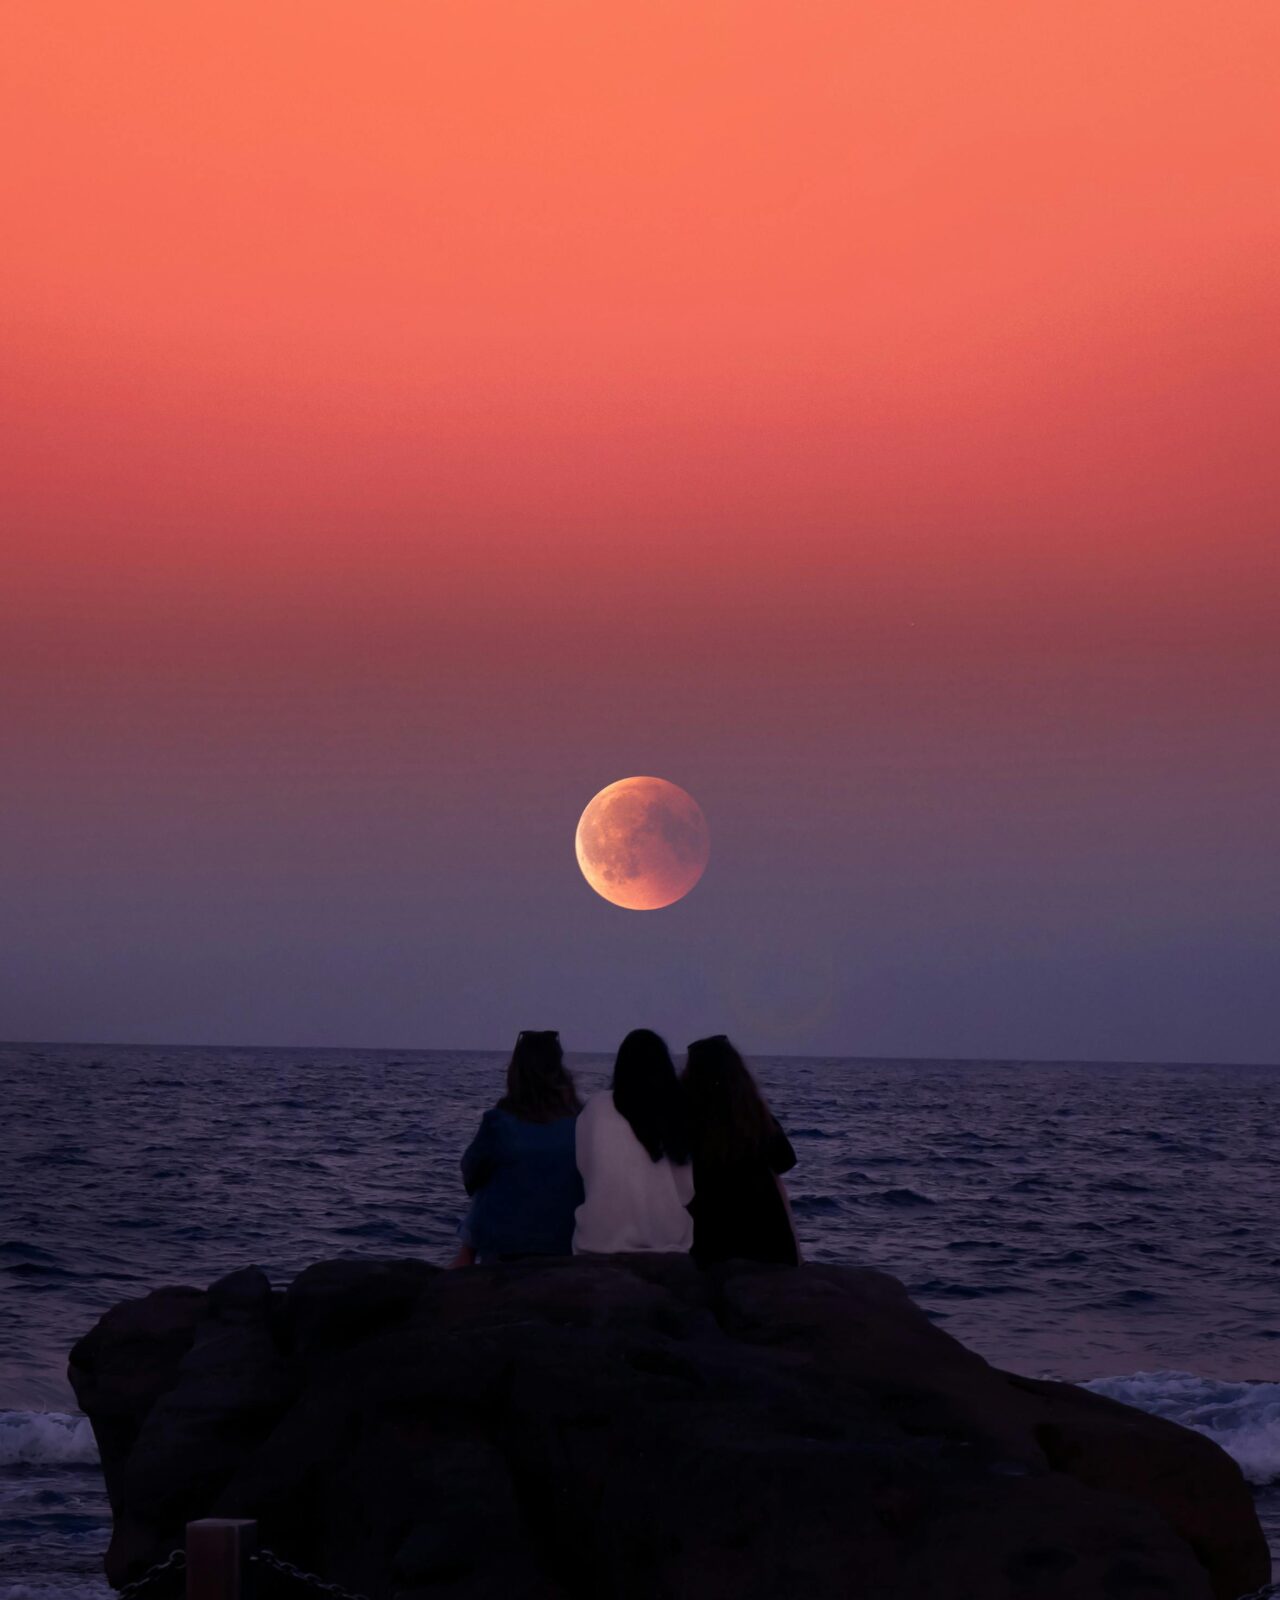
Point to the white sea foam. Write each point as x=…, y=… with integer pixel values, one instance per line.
x=1244, y=1418
x=48, y=1438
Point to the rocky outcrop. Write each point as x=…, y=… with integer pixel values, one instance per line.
x=629, y=1428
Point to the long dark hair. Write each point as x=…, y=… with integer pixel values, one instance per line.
x=647, y=1093
x=539, y=1088
x=729, y=1119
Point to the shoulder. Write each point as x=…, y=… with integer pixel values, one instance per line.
x=599, y=1110
x=496, y=1120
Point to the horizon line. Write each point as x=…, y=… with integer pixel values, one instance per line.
x=500, y=1050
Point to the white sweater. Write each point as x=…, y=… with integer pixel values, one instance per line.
x=633, y=1202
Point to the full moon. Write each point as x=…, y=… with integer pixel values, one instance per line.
x=642, y=843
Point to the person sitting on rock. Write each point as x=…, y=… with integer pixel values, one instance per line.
x=739, y=1153
x=633, y=1154
x=521, y=1168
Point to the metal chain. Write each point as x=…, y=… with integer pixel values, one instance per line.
x=174, y=1562
x=275, y=1563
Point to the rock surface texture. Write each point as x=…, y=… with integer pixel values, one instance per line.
x=629, y=1428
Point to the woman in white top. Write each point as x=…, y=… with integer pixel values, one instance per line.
x=633, y=1154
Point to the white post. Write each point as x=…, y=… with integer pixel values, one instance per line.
x=218, y=1551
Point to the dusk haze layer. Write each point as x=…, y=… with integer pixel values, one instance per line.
x=416, y=418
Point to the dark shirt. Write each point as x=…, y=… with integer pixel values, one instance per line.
x=524, y=1176
x=738, y=1209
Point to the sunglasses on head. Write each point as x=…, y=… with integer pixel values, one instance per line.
x=537, y=1033
x=713, y=1038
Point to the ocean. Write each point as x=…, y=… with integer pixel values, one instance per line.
x=1109, y=1224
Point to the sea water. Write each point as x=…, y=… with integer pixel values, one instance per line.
x=1110, y=1224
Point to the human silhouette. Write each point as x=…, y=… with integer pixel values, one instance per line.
x=521, y=1168
x=740, y=1208
x=633, y=1154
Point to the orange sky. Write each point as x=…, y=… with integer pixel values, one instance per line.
x=307, y=284
x=844, y=363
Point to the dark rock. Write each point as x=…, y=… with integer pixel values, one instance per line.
x=188, y=1384
x=122, y=1368
x=337, y=1303
x=629, y=1427
x=241, y=1296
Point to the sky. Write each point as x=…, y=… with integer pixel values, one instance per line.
x=414, y=418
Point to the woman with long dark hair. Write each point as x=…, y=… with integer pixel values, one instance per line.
x=739, y=1155
x=633, y=1154
x=521, y=1168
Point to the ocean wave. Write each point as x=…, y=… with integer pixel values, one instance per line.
x=20, y=1250
x=962, y=1291
x=57, y=1587
x=808, y=1205
x=46, y=1437
x=1244, y=1418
